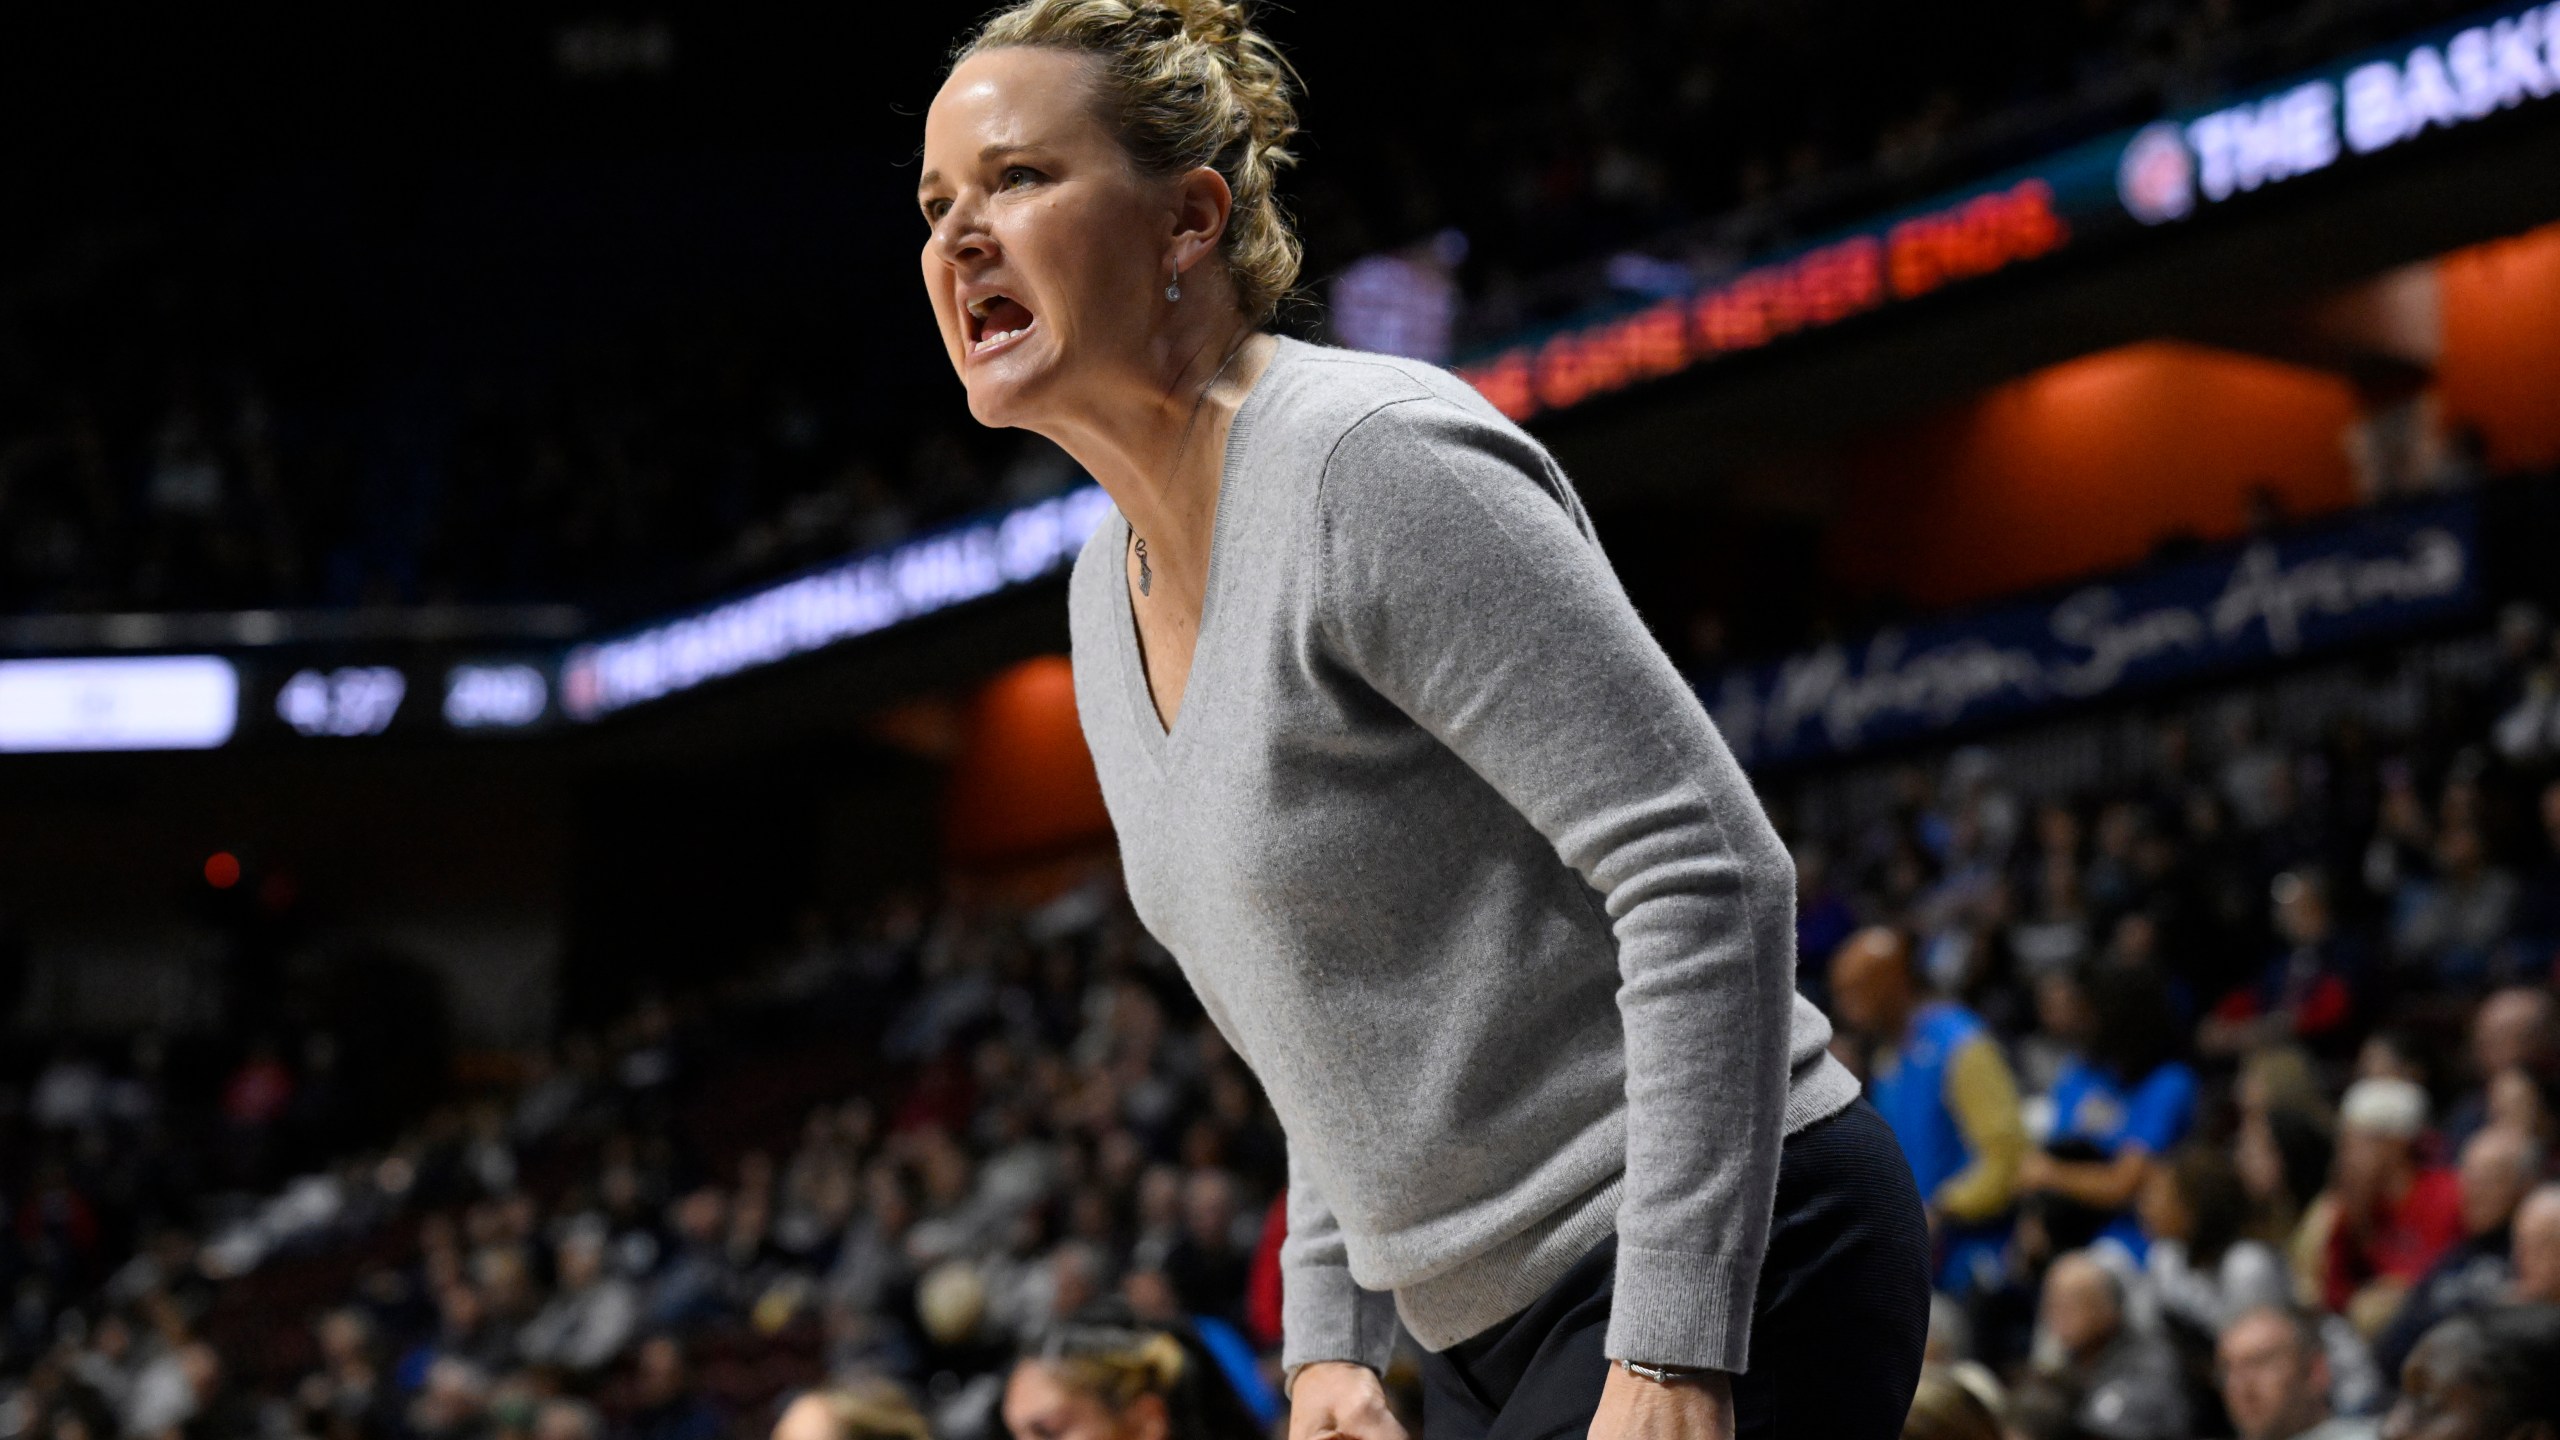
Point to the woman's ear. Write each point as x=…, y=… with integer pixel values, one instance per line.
x=1145, y=1419
x=1201, y=204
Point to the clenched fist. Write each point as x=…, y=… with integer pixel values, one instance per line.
x=1338, y=1398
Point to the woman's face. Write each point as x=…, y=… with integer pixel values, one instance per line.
x=2516, y=1103
x=2062, y=1009
x=1037, y=1406
x=2162, y=1207
x=2260, y=1161
x=1049, y=251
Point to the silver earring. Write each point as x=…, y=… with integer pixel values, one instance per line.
x=1173, y=287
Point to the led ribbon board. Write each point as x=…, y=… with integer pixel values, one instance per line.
x=827, y=606
x=128, y=702
x=2381, y=100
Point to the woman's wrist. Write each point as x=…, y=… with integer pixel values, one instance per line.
x=1289, y=1378
x=1666, y=1374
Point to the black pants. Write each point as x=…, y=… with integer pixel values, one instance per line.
x=1836, y=1332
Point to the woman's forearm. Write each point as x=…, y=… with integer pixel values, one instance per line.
x=2099, y=1184
x=1521, y=653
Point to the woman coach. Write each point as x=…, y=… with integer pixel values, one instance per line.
x=1452, y=855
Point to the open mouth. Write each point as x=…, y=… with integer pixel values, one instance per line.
x=996, y=321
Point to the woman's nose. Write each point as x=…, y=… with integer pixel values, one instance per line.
x=962, y=235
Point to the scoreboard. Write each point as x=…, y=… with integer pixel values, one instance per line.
x=336, y=693
x=203, y=702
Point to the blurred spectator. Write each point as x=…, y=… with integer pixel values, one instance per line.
x=2121, y=1101
x=2490, y=1376
x=2498, y=1169
x=868, y=1410
x=2395, y=1214
x=2203, y=1272
x=1108, y=1372
x=2275, y=1379
x=1207, y=1264
x=2127, y=1382
x=592, y=1313
x=2202, y=1267
x=464, y=1330
x=566, y=1419
x=2043, y=1407
x=2516, y=1030
x=1944, y=1408
x=1939, y=1079
x=696, y=1282
x=2306, y=994
x=2452, y=923
x=665, y=1404
x=453, y=1404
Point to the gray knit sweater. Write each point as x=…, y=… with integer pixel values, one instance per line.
x=1461, y=868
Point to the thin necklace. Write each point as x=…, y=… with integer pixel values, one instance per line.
x=1146, y=572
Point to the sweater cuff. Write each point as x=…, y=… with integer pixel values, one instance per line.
x=1325, y=1315
x=1674, y=1308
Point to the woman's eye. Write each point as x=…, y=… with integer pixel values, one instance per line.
x=1019, y=175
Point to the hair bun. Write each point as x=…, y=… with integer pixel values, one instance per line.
x=1213, y=22
x=1220, y=23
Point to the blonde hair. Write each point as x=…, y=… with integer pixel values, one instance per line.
x=872, y=1409
x=1944, y=1407
x=1115, y=1366
x=1185, y=83
x=1107, y=1355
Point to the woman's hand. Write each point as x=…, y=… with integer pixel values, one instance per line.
x=1336, y=1397
x=1634, y=1408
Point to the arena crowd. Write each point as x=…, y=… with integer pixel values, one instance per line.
x=2231, y=1082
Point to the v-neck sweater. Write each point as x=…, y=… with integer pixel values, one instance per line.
x=1458, y=864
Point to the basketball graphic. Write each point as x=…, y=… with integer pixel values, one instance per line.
x=2157, y=176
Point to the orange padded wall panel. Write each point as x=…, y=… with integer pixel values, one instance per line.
x=1022, y=786
x=2085, y=466
x=2501, y=363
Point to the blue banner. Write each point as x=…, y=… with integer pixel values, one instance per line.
x=2384, y=572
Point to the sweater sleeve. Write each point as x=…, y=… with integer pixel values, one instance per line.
x=1324, y=1314
x=1460, y=579
x=1983, y=1096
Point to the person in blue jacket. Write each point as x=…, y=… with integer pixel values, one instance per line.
x=2121, y=1102
x=1938, y=1076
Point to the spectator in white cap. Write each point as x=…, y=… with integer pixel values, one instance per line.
x=2395, y=1215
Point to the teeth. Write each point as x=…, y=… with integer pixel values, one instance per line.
x=978, y=307
x=999, y=337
